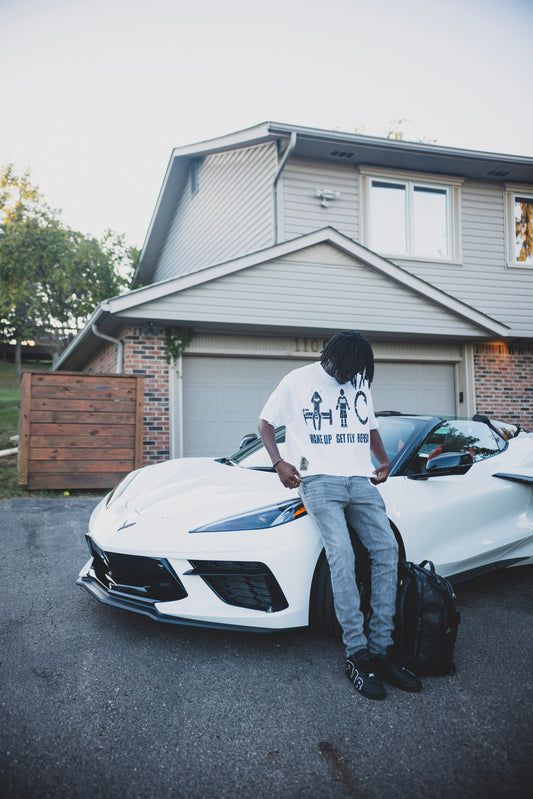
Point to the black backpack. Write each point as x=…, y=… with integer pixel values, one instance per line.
x=426, y=619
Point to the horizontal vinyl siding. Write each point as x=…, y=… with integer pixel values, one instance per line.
x=483, y=280
x=231, y=214
x=303, y=212
x=326, y=290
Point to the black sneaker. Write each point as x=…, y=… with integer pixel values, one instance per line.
x=390, y=669
x=360, y=671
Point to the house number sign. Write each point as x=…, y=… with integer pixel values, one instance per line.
x=310, y=344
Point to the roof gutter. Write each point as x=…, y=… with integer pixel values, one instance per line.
x=286, y=155
x=118, y=342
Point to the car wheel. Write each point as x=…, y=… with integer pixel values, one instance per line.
x=322, y=616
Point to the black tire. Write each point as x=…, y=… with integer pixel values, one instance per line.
x=322, y=616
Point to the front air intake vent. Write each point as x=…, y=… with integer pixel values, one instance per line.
x=244, y=584
x=138, y=577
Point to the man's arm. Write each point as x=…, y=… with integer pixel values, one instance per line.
x=287, y=473
x=379, y=451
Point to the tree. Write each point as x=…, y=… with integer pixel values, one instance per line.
x=524, y=229
x=51, y=277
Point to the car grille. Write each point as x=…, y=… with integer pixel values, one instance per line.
x=242, y=583
x=148, y=579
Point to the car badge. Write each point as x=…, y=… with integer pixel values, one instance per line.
x=126, y=524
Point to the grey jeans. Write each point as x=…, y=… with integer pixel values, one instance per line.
x=331, y=501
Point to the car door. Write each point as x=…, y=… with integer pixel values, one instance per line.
x=460, y=521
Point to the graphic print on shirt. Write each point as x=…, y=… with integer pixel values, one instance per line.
x=343, y=407
x=328, y=424
x=358, y=406
x=359, y=409
x=316, y=414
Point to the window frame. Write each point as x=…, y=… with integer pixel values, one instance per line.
x=412, y=180
x=512, y=191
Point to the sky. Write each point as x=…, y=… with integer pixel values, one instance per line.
x=95, y=94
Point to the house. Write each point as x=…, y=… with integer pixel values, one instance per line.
x=265, y=242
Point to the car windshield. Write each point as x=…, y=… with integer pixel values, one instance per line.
x=396, y=432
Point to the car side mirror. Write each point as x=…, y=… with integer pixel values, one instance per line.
x=247, y=439
x=449, y=463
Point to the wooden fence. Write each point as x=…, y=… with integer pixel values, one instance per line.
x=79, y=430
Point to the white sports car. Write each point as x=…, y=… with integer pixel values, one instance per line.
x=222, y=543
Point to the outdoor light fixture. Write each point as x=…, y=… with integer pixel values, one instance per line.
x=150, y=329
x=326, y=196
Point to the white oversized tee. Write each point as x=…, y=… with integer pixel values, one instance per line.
x=328, y=424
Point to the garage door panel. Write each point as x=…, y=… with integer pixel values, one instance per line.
x=427, y=388
x=222, y=397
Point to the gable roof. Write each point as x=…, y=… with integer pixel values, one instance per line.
x=316, y=143
x=321, y=281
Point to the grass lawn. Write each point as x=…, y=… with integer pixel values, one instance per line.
x=9, y=426
x=9, y=404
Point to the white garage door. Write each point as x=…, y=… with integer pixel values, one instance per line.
x=427, y=388
x=222, y=397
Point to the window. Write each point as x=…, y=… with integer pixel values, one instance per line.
x=410, y=218
x=520, y=229
x=459, y=435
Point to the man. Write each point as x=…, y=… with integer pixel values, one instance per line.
x=330, y=464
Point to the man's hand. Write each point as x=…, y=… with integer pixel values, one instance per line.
x=382, y=472
x=380, y=453
x=288, y=474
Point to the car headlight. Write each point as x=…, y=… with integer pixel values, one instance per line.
x=261, y=519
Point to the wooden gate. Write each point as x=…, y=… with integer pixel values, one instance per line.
x=79, y=430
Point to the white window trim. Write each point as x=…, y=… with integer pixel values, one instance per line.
x=452, y=185
x=511, y=190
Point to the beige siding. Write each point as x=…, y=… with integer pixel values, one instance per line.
x=302, y=210
x=482, y=279
x=231, y=214
x=317, y=288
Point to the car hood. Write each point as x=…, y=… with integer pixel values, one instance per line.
x=180, y=495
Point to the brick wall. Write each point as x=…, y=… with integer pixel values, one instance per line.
x=105, y=362
x=144, y=355
x=147, y=356
x=504, y=382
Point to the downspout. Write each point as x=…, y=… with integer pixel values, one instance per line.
x=286, y=155
x=120, y=347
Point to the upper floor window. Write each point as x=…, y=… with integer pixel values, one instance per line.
x=410, y=218
x=519, y=228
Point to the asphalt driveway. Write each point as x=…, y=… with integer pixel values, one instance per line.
x=104, y=703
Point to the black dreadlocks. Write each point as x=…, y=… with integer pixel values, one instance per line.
x=347, y=355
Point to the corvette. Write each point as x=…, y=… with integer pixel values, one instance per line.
x=221, y=543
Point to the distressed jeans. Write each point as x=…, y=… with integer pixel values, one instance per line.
x=331, y=501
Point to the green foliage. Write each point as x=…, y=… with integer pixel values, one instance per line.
x=9, y=404
x=176, y=341
x=51, y=277
x=524, y=229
